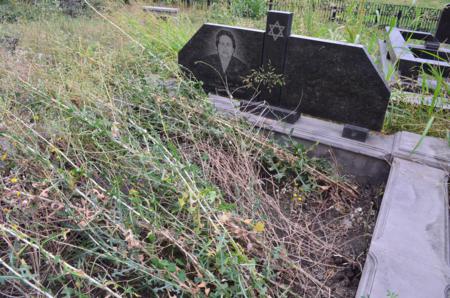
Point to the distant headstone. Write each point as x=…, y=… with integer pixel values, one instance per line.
x=327, y=79
x=161, y=10
x=443, y=30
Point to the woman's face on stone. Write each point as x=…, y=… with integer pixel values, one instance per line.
x=225, y=47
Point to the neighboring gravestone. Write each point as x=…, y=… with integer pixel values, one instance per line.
x=443, y=30
x=161, y=10
x=327, y=79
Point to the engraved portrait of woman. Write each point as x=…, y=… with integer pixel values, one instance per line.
x=223, y=67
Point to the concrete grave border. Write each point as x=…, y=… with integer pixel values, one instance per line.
x=409, y=250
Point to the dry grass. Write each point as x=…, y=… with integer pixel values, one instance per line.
x=117, y=185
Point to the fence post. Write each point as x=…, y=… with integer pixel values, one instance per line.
x=399, y=16
x=333, y=12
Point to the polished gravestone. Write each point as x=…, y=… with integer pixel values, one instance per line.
x=443, y=30
x=327, y=79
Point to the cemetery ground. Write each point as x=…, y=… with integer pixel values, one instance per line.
x=119, y=179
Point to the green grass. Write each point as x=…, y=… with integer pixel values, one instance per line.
x=116, y=183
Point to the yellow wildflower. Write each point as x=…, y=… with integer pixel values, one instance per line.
x=259, y=227
x=133, y=192
x=14, y=180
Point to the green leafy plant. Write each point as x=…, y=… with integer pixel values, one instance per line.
x=266, y=77
x=249, y=8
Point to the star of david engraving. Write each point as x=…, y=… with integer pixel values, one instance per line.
x=279, y=28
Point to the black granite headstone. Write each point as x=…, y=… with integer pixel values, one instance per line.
x=221, y=56
x=443, y=30
x=326, y=79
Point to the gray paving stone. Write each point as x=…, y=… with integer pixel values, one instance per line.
x=409, y=252
x=431, y=151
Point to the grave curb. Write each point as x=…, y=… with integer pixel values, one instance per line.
x=382, y=156
x=433, y=151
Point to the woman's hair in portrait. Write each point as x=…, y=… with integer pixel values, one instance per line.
x=226, y=33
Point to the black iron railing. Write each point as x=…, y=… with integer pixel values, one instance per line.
x=373, y=13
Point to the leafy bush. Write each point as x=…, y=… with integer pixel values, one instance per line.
x=12, y=11
x=249, y=8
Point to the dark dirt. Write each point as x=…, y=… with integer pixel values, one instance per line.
x=345, y=226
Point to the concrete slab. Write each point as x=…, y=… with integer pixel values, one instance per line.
x=431, y=151
x=409, y=252
x=312, y=129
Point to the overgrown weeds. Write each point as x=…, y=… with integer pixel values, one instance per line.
x=119, y=184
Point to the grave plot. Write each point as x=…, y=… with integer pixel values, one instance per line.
x=172, y=200
x=419, y=60
x=339, y=82
x=118, y=178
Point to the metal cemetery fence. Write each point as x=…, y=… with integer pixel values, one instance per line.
x=381, y=14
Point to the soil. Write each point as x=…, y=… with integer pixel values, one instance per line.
x=345, y=225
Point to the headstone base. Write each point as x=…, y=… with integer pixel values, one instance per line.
x=268, y=111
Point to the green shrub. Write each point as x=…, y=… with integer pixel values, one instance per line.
x=12, y=11
x=249, y=8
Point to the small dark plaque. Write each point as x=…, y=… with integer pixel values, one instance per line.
x=443, y=30
x=221, y=56
x=355, y=133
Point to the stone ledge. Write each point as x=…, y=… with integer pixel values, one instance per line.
x=409, y=251
x=432, y=151
x=312, y=129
